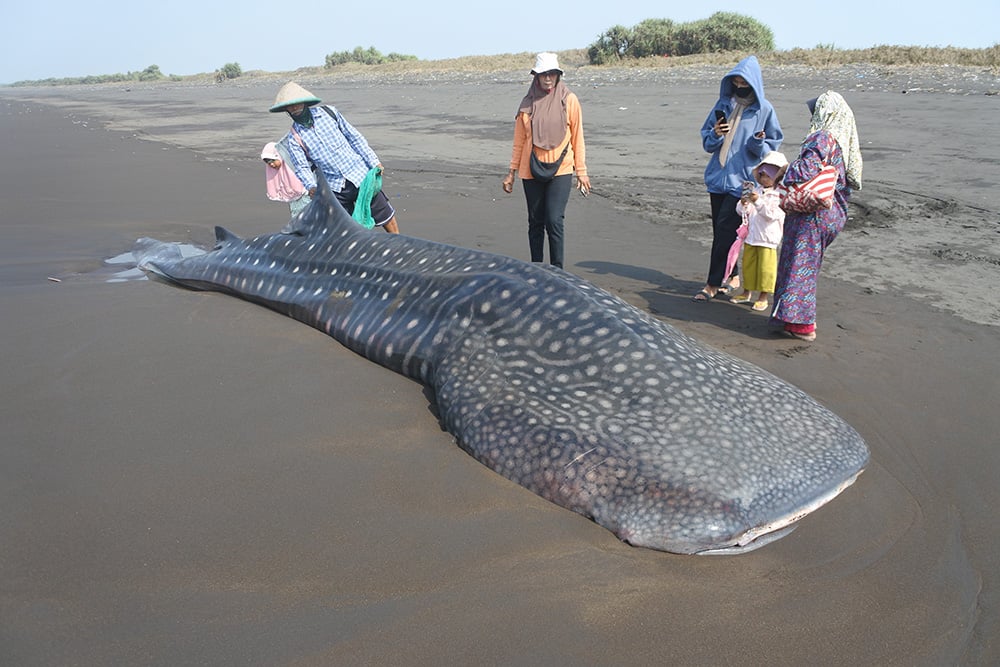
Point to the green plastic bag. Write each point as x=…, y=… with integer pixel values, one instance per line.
x=363, y=206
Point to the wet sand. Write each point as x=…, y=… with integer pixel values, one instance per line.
x=191, y=478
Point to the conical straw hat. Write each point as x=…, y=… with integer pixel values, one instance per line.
x=293, y=93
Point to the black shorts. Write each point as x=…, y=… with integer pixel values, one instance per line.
x=382, y=210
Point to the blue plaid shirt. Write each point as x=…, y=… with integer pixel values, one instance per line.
x=334, y=146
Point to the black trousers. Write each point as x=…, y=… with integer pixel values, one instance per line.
x=725, y=222
x=546, y=214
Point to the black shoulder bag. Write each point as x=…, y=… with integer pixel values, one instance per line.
x=543, y=172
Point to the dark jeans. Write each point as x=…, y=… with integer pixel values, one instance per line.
x=546, y=211
x=725, y=222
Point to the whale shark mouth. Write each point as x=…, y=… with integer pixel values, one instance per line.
x=764, y=534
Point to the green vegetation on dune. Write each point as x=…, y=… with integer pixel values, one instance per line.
x=369, y=56
x=720, y=32
x=151, y=73
x=229, y=71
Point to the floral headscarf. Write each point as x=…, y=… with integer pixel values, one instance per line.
x=834, y=115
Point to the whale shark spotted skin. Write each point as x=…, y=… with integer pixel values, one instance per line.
x=550, y=381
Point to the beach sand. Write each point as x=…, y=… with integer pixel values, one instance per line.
x=189, y=478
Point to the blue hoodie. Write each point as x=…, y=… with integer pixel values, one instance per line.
x=746, y=150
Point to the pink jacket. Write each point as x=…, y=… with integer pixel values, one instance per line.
x=765, y=217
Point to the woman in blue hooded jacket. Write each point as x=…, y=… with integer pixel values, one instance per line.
x=739, y=131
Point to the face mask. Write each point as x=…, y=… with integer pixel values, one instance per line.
x=742, y=92
x=304, y=118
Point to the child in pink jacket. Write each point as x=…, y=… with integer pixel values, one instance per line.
x=760, y=207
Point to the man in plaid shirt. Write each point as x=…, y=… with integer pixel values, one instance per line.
x=321, y=138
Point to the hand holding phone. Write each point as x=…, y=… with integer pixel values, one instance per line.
x=721, y=126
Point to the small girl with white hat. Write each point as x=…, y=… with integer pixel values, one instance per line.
x=760, y=207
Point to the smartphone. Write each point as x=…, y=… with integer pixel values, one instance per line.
x=720, y=115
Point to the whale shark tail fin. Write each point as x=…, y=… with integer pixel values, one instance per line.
x=157, y=258
x=150, y=253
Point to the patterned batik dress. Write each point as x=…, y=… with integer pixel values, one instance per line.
x=806, y=235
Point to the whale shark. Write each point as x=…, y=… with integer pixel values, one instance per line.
x=550, y=381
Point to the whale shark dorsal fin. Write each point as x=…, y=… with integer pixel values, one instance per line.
x=324, y=213
x=224, y=237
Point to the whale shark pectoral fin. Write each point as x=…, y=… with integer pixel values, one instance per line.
x=294, y=227
x=224, y=237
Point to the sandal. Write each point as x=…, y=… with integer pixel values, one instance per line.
x=730, y=287
x=703, y=295
x=760, y=305
x=742, y=298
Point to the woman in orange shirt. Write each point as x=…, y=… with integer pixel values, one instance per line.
x=549, y=128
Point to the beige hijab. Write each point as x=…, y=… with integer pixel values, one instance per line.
x=834, y=115
x=548, y=114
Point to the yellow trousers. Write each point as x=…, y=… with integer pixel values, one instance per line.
x=760, y=268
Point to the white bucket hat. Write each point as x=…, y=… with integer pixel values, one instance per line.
x=546, y=62
x=293, y=93
x=773, y=158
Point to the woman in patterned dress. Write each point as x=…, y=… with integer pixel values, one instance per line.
x=832, y=140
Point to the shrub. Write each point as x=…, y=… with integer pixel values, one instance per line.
x=652, y=37
x=691, y=38
x=369, y=56
x=610, y=46
x=722, y=31
x=734, y=32
x=229, y=71
x=151, y=73
x=398, y=57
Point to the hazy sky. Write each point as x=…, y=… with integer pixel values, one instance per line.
x=68, y=39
